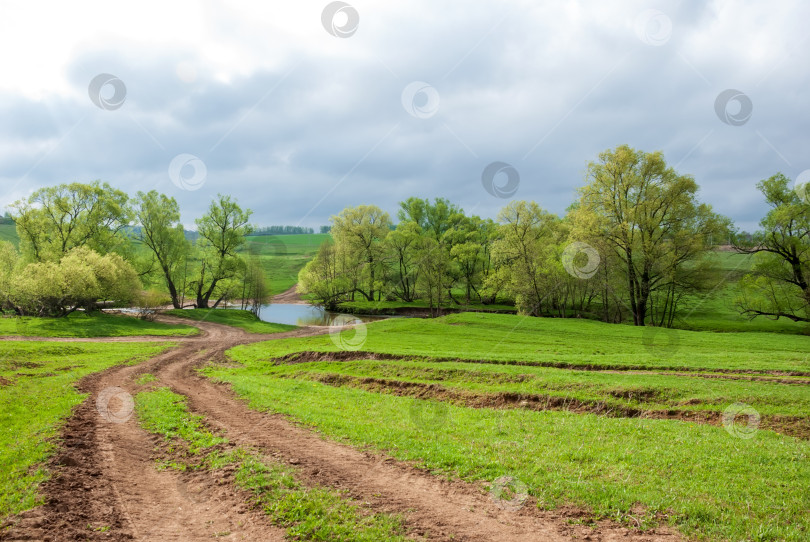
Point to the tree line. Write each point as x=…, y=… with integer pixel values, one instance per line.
x=85, y=243
x=634, y=246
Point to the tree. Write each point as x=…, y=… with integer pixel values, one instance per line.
x=434, y=218
x=8, y=262
x=162, y=232
x=402, y=245
x=525, y=247
x=325, y=277
x=79, y=280
x=54, y=220
x=361, y=230
x=255, y=292
x=222, y=232
x=779, y=286
x=650, y=216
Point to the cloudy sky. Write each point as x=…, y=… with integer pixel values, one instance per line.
x=299, y=109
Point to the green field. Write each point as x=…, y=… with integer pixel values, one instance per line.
x=37, y=394
x=231, y=317
x=456, y=397
x=8, y=232
x=97, y=324
x=283, y=256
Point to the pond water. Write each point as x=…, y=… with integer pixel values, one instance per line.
x=308, y=315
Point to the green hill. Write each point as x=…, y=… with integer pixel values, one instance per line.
x=8, y=232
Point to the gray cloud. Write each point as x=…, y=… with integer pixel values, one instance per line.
x=543, y=89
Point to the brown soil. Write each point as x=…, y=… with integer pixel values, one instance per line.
x=5, y=382
x=788, y=425
x=104, y=474
x=733, y=374
x=289, y=297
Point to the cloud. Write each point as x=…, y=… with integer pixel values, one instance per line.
x=297, y=123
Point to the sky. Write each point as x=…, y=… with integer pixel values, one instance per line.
x=300, y=109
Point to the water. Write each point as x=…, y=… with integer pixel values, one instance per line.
x=308, y=315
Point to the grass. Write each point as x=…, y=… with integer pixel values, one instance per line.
x=231, y=317
x=8, y=232
x=306, y=513
x=709, y=483
x=561, y=342
x=97, y=324
x=283, y=256
x=36, y=394
x=662, y=392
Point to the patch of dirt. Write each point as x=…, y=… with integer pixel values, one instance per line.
x=788, y=425
x=289, y=297
x=5, y=382
x=311, y=356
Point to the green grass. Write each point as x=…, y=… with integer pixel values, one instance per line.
x=663, y=392
x=8, y=232
x=709, y=483
x=231, y=317
x=283, y=256
x=36, y=394
x=561, y=342
x=307, y=513
x=393, y=307
x=96, y=324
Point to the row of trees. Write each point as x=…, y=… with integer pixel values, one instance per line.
x=81, y=243
x=635, y=245
x=281, y=230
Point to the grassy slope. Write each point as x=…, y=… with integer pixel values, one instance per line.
x=89, y=325
x=36, y=394
x=709, y=483
x=630, y=390
x=549, y=341
x=231, y=317
x=283, y=256
x=8, y=232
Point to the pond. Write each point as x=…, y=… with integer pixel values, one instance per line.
x=309, y=315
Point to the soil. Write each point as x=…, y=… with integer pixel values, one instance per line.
x=289, y=297
x=105, y=484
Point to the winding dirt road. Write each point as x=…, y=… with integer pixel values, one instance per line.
x=106, y=484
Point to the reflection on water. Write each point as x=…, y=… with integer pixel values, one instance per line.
x=307, y=315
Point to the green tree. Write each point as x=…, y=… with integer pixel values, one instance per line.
x=402, y=245
x=222, y=232
x=650, y=216
x=779, y=286
x=161, y=231
x=54, y=220
x=81, y=279
x=523, y=252
x=360, y=231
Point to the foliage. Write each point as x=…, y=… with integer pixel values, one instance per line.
x=779, y=286
x=56, y=219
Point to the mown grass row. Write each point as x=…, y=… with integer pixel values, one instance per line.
x=308, y=513
x=37, y=394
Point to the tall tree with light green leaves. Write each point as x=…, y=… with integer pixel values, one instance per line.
x=56, y=219
x=222, y=232
x=361, y=231
x=162, y=233
x=650, y=216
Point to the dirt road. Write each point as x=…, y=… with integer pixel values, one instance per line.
x=106, y=484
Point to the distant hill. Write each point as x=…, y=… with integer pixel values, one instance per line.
x=8, y=232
